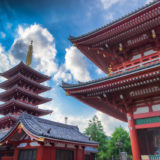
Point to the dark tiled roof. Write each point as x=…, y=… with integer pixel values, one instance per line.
x=114, y=22
x=85, y=84
x=53, y=130
x=3, y=133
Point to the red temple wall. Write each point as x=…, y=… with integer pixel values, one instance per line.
x=48, y=152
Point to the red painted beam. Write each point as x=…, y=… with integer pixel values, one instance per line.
x=148, y=125
x=146, y=115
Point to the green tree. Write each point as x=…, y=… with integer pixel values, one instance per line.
x=96, y=133
x=112, y=150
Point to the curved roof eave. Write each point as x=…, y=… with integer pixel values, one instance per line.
x=74, y=39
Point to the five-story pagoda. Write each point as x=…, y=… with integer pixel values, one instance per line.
x=22, y=89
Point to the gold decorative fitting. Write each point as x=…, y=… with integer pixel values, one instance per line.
x=153, y=34
x=41, y=139
x=67, y=94
x=109, y=70
x=104, y=55
x=20, y=126
x=75, y=44
x=98, y=52
x=29, y=54
x=120, y=47
x=1, y=144
x=88, y=48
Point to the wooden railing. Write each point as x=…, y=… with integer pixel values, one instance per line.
x=135, y=64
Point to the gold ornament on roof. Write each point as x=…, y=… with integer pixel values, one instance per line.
x=120, y=47
x=109, y=70
x=29, y=54
x=104, y=55
x=67, y=93
x=153, y=34
x=41, y=139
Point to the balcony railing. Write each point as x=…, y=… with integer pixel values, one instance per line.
x=135, y=64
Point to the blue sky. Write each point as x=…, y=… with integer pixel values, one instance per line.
x=49, y=24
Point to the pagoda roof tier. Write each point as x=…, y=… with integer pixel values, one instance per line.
x=7, y=121
x=17, y=91
x=19, y=78
x=121, y=40
x=45, y=130
x=107, y=94
x=26, y=71
x=17, y=106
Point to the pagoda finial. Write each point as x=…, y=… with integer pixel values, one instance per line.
x=29, y=54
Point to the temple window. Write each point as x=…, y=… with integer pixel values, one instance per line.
x=149, y=52
x=142, y=110
x=156, y=107
x=31, y=154
x=136, y=57
x=64, y=154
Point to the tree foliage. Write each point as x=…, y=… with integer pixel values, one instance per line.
x=112, y=150
x=96, y=133
x=107, y=146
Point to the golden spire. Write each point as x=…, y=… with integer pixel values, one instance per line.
x=29, y=54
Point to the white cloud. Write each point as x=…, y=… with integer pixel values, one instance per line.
x=99, y=71
x=149, y=1
x=80, y=121
x=108, y=3
x=108, y=16
x=44, y=51
x=63, y=75
x=75, y=64
x=109, y=123
x=4, y=65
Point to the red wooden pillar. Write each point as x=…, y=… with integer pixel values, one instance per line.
x=15, y=157
x=76, y=153
x=83, y=153
x=40, y=152
x=134, y=138
x=53, y=156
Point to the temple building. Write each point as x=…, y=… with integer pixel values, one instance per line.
x=23, y=134
x=128, y=51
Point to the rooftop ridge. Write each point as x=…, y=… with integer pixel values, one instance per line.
x=50, y=122
x=71, y=38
